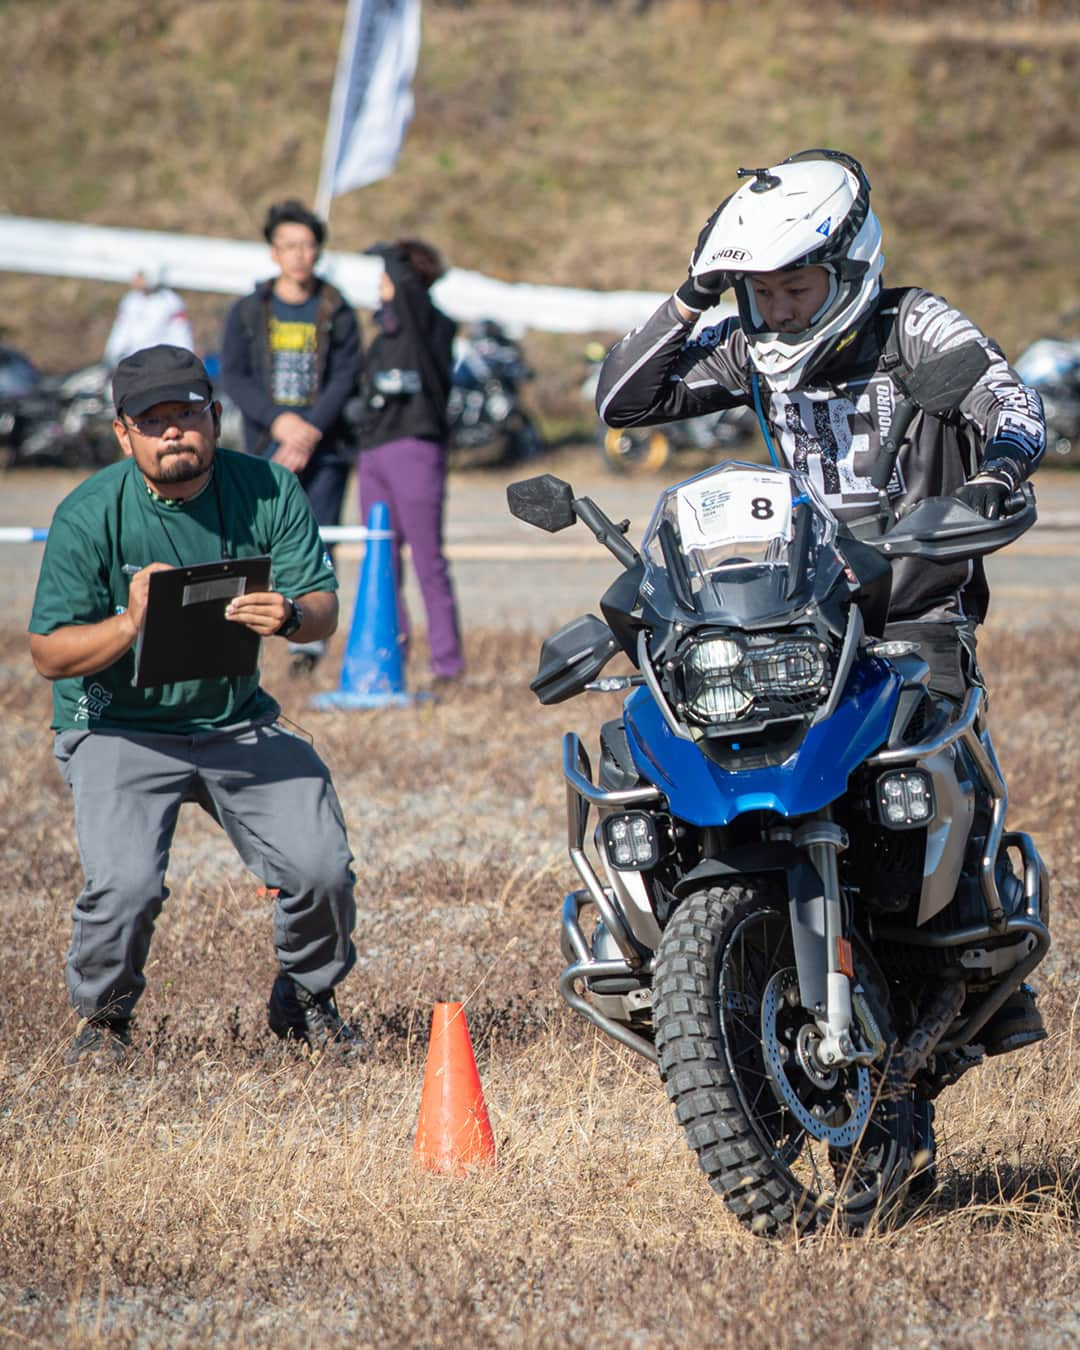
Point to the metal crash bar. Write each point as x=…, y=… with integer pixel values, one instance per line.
x=635, y=964
x=964, y=729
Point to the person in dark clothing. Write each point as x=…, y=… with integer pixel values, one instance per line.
x=290, y=360
x=814, y=347
x=403, y=440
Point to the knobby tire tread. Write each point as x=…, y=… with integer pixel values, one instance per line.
x=698, y=1082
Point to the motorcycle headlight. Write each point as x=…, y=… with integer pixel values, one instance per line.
x=721, y=679
x=789, y=668
x=712, y=679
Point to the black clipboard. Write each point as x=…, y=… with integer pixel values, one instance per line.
x=185, y=634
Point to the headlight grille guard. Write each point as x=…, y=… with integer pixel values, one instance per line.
x=783, y=709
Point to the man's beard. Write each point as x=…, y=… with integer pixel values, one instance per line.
x=178, y=468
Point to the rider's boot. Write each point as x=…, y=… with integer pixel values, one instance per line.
x=1016, y=1023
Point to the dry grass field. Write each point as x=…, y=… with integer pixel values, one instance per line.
x=223, y=1190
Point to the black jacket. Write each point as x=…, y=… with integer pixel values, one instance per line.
x=420, y=346
x=833, y=427
x=246, y=370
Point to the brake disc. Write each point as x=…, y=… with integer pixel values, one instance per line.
x=786, y=1064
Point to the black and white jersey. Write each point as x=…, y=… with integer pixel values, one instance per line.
x=833, y=427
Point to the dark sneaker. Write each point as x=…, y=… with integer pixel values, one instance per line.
x=1016, y=1023
x=101, y=1042
x=295, y=1014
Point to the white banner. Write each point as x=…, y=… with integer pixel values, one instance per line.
x=372, y=102
x=63, y=248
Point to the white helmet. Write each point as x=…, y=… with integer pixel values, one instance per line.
x=813, y=210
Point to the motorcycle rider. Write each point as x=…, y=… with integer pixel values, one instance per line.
x=815, y=347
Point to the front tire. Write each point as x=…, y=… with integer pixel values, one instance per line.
x=820, y=1145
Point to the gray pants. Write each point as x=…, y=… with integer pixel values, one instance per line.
x=271, y=794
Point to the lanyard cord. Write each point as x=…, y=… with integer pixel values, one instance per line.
x=160, y=516
x=226, y=551
x=762, y=423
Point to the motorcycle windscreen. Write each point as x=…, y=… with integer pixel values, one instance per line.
x=701, y=792
x=740, y=544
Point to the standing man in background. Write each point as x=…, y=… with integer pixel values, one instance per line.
x=149, y=314
x=290, y=359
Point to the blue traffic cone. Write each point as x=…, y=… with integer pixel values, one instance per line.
x=371, y=673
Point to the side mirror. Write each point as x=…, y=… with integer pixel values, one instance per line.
x=546, y=502
x=938, y=385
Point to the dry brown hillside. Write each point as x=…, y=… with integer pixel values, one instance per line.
x=579, y=144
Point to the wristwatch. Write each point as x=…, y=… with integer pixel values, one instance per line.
x=293, y=620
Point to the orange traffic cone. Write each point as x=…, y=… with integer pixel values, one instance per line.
x=453, y=1130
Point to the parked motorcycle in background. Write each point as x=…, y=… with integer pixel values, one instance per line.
x=644, y=450
x=800, y=900
x=484, y=405
x=66, y=420
x=54, y=420
x=1053, y=368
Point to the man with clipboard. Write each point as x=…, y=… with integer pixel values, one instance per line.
x=180, y=532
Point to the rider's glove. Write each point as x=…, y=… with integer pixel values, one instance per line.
x=999, y=476
x=987, y=492
x=701, y=293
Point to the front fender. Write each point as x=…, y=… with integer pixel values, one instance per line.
x=701, y=792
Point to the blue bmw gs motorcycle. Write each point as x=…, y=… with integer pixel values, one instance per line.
x=799, y=897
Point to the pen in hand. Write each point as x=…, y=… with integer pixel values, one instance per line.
x=129, y=569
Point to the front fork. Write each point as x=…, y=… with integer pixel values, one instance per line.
x=823, y=955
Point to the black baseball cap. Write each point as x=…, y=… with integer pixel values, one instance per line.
x=161, y=374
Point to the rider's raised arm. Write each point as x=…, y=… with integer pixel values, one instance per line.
x=659, y=372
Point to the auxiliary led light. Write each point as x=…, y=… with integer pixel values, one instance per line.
x=631, y=841
x=905, y=799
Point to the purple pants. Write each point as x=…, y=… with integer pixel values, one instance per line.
x=410, y=476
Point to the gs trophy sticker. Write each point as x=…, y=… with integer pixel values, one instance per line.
x=736, y=508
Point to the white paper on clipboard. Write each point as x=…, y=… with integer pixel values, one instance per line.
x=735, y=506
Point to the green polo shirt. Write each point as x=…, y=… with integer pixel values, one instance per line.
x=250, y=507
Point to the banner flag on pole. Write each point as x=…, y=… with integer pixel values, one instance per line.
x=372, y=103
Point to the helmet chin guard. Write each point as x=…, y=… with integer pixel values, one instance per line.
x=812, y=210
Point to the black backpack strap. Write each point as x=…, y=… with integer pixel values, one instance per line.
x=886, y=320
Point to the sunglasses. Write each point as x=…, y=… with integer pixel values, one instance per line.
x=157, y=426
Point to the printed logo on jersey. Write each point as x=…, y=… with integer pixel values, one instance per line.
x=292, y=355
x=709, y=337
x=836, y=441
x=939, y=325
x=824, y=227
x=93, y=703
